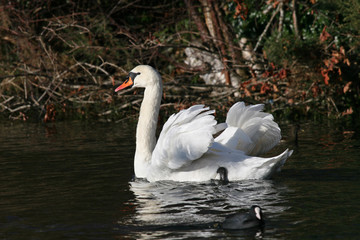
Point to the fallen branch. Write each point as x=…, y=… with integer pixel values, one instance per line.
x=16, y=109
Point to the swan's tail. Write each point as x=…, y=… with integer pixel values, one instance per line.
x=274, y=164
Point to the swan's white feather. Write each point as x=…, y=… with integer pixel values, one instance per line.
x=265, y=134
x=259, y=133
x=232, y=136
x=186, y=149
x=186, y=136
x=239, y=166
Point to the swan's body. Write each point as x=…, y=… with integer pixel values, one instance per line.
x=186, y=149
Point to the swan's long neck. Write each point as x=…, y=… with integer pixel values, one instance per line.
x=146, y=129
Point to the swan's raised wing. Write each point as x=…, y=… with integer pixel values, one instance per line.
x=185, y=137
x=250, y=129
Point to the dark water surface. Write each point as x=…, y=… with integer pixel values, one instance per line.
x=73, y=181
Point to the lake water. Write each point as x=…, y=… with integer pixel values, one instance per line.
x=73, y=181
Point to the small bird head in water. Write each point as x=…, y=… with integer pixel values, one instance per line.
x=254, y=218
x=258, y=212
x=223, y=175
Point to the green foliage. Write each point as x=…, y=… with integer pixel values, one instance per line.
x=255, y=20
x=288, y=49
x=341, y=17
x=346, y=23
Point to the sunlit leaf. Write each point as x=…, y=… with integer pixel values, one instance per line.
x=325, y=74
x=247, y=92
x=346, y=61
x=347, y=111
x=275, y=88
x=324, y=35
x=347, y=87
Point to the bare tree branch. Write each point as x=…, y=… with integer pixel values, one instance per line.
x=266, y=28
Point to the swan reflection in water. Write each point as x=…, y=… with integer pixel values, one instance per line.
x=167, y=207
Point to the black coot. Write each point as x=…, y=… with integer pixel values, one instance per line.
x=251, y=219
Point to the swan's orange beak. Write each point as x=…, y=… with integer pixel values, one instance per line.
x=127, y=83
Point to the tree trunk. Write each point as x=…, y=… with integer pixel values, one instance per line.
x=296, y=27
x=207, y=15
x=218, y=38
x=228, y=37
x=204, y=34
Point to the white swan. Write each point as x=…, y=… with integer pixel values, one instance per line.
x=186, y=149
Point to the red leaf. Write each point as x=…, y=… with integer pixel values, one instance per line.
x=266, y=74
x=324, y=35
x=334, y=60
x=347, y=87
x=282, y=74
x=264, y=88
x=272, y=65
x=50, y=113
x=325, y=74
x=326, y=79
x=347, y=111
x=240, y=10
x=275, y=88
x=342, y=50
x=346, y=60
x=327, y=62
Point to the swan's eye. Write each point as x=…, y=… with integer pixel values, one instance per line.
x=133, y=75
